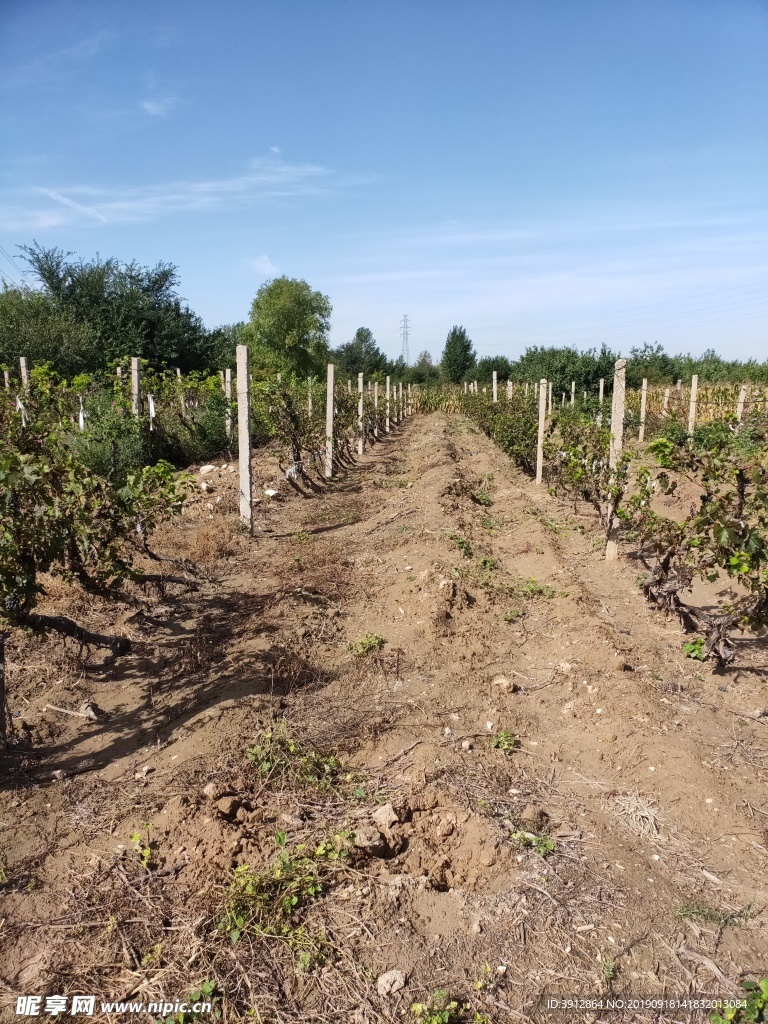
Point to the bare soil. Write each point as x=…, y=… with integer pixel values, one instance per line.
x=523, y=689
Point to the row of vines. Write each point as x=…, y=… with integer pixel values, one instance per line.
x=84, y=482
x=722, y=537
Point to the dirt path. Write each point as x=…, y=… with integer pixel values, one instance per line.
x=522, y=688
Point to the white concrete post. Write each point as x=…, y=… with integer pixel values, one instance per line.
x=329, y=423
x=7, y=381
x=679, y=385
x=526, y=389
x=643, y=403
x=24, y=371
x=742, y=400
x=540, y=440
x=465, y=387
x=376, y=410
x=228, y=400
x=349, y=386
x=617, y=412
x=509, y=390
x=244, y=435
x=410, y=402
x=401, y=412
x=692, y=406
x=389, y=388
x=573, y=392
x=361, y=437
x=495, y=387
x=279, y=378
x=135, y=386
x=182, y=406
x=601, y=392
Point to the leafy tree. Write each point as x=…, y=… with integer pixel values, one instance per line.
x=288, y=328
x=361, y=355
x=32, y=324
x=486, y=366
x=423, y=370
x=127, y=310
x=458, y=357
x=566, y=364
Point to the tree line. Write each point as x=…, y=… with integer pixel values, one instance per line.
x=83, y=315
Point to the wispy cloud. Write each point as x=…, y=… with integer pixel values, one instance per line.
x=269, y=177
x=87, y=211
x=263, y=266
x=159, y=107
x=51, y=68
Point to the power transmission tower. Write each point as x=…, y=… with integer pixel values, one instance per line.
x=404, y=333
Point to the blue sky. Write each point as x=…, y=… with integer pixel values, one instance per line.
x=582, y=171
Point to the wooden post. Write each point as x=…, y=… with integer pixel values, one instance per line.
x=24, y=371
x=540, y=441
x=739, y=407
x=389, y=388
x=135, y=386
x=361, y=438
x=376, y=409
x=244, y=435
x=329, y=399
x=228, y=399
x=643, y=403
x=617, y=412
x=495, y=387
x=573, y=392
x=692, y=406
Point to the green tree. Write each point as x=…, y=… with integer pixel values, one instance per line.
x=361, y=355
x=458, y=357
x=33, y=325
x=288, y=328
x=486, y=366
x=127, y=309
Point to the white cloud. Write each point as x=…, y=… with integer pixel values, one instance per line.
x=263, y=266
x=269, y=177
x=159, y=107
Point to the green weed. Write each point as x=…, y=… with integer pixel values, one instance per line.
x=282, y=760
x=542, y=844
x=488, y=564
x=505, y=740
x=370, y=642
x=482, y=498
x=208, y=992
x=142, y=845
x=463, y=545
x=755, y=1008
x=694, y=648
x=514, y=614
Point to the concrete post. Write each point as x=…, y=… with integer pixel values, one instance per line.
x=244, y=435
x=692, y=406
x=495, y=387
x=329, y=399
x=643, y=403
x=540, y=440
x=617, y=412
x=361, y=437
x=135, y=386
x=228, y=399
x=387, y=418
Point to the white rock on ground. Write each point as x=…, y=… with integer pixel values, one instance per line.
x=390, y=983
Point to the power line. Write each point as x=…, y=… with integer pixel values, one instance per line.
x=10, y=261
x=404, y=334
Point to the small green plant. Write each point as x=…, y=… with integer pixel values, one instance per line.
x=610, y=969
x=755, y=1006
x=489, y=523
x=482, y=498
x=142, y=845
x=505, y=740
x=208, y=992
x=488, y=564
x=532, y=588
x=281, y=760
x=270, y=902
x=463, y=545
x=370, y=642
x=440, y=1009
x=302, y=537
x=542, y=844
x=514, y=615
x=695, y=648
